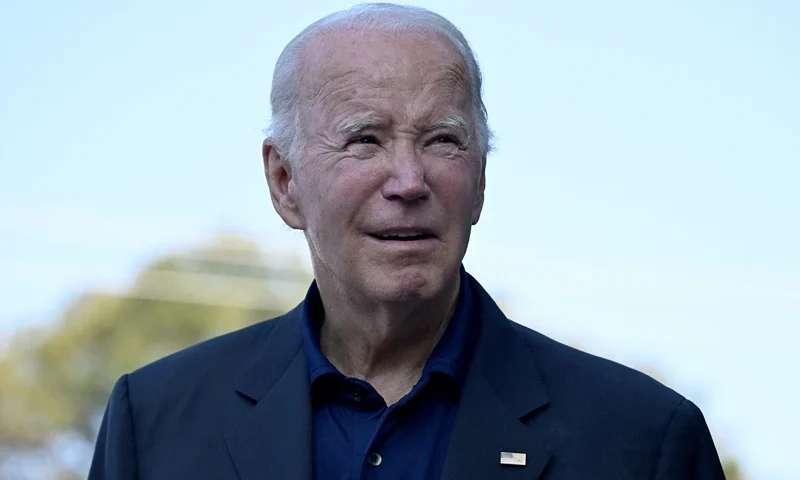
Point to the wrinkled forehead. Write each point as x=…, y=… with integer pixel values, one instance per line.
x=343, y=65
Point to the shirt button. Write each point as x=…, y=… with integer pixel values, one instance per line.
x=374, y=459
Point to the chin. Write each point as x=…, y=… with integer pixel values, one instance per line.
x=417, y=283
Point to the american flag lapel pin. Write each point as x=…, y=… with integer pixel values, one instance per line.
x=512, y=458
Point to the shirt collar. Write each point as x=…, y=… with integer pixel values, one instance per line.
x=450, y=357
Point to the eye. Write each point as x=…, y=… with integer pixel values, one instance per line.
x=364, y=140
x=445, y=138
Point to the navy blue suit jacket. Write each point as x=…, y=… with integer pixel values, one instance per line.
x=237, y=407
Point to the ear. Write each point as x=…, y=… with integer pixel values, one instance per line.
x=477, y=207
x=281, y=188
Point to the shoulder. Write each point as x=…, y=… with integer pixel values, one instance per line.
x=602, y=416
x=214, y=361
x=582, y=380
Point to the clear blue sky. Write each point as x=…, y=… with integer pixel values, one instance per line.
x=644, y=199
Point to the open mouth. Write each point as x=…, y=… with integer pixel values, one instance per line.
x=402, y=237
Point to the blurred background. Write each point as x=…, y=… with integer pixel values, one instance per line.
x=643, y=203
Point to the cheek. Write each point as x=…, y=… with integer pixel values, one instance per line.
x=337, y=196
x=456, y=185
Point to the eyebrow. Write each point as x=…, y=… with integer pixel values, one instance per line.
x=456, y=122
x=359, y=125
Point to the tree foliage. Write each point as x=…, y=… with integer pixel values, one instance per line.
x=55, y=380
x=732, y=470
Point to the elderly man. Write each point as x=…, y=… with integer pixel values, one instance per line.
x=397, y=365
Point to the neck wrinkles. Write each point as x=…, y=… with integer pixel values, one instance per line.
x=372, y=341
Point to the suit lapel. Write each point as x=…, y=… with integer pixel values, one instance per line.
x=273, y=439
x=502, y=387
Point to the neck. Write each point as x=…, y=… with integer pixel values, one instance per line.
x=386, y=345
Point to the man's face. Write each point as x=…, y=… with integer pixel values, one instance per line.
x=391, y=179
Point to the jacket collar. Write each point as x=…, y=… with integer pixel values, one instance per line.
x=502, y=388
x=273, y=439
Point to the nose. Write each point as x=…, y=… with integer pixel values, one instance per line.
x=407, y=181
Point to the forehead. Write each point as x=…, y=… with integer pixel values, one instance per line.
x=347, y=69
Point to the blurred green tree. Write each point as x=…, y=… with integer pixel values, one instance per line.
x=55, y=380
x=732, y=470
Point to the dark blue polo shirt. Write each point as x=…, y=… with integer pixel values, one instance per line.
x=357, y=436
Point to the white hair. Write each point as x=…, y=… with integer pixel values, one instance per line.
x=284, y=129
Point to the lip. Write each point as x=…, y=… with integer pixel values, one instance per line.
x=424, y=231
x=406, y=246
